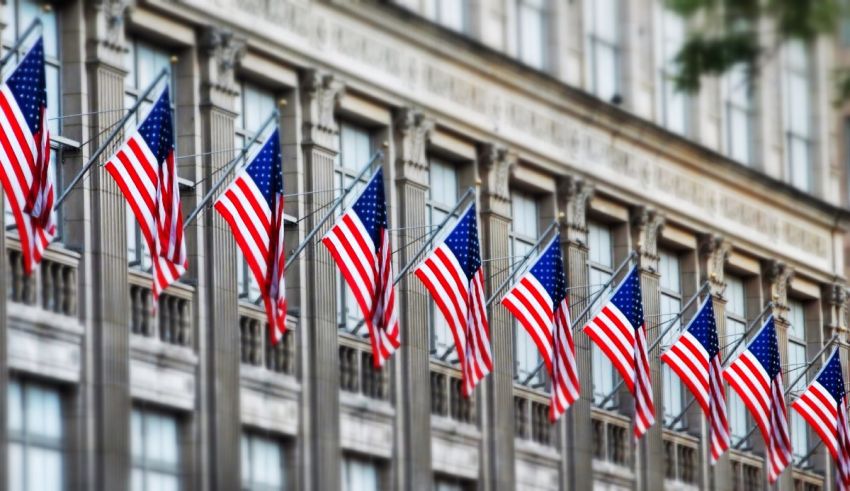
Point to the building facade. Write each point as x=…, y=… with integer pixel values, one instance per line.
x=549, y=111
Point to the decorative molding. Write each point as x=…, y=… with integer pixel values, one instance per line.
x=777, y=277
x=412, y=132
x=714, y=251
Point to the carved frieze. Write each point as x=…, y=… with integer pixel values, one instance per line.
x=412, y=131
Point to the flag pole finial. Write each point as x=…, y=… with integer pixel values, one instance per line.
x=281, y=102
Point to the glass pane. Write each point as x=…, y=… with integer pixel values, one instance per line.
x=43, y=412
x=16, y=467
x=734, y=294
x=44, y=469
x=740, y=135
x=796, y=362
x=675, y=108
x=797, y=319
x=668, y=265
x=798, y=151
x=600, y=241
x=443, y=183
x=524, y=216
x=257, y=104
x=355, y=146
x=451, y=13
x=532, y=32
x=606, y=70
x=799, y=435
x=14, y=403
x=136, y=436
x=359, y=475
x=606, y=19
x=54, y=109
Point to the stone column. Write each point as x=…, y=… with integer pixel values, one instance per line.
x=646, y=228
x=498, y=428
x=713, y=253
x=411, y=132
x=320, y=94
x=776, y=278
x=577, y=448
x=110, y=291
x=221, y=359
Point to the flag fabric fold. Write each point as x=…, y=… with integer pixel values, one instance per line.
x=619, y=330
x=696, y=358
x=454, y=276
x=824, y=406
x=144, y=169
x=25, y=155
x=756, y=376
x=252, y=205
x=539, y=302
x=359, y=243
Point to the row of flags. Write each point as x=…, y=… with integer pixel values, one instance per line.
x=452, y=273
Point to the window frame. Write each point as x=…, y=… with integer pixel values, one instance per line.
x=791, y=136
x=739, y=318
x=147, y=465
x=736, y=105
x=542, y=9
x=668, y=376
x=595, y=41
x=249, y=437
x=666, y=75
x=516, y=238
x=792, y=371
x=28, y=441
x=608, y=271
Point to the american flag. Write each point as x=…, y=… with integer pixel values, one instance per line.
x=695, y=357
x=253, y=207
x=25, y=155
x=453, y=275
x=144, y=170
x=756, y=375
x=824, y=406
x=360, y=244
x=620, y=332
x=539, y=302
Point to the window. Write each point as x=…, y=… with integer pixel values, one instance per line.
x=524, y=232
x=19, y=15
x=443, y=196
x=360, y=474
x=671, y=304
x=35, y=437
x=156, y=456
x=797, y=360
x=355, y=150
x=449, y=13
x=600, y=241
x=736, y=326
x=448, y=483
x=254, y=105
x=674, y=104
x=146, y=61
x=798, y=115
x=262, y=464
x=603, y=33
x=532, y=32
x=740, y=111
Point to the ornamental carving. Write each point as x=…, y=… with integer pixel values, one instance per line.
x=647, y=223
x=320, y=94
x=715, y=250
x=777, y=277
x=496, y=163
x=573, y=195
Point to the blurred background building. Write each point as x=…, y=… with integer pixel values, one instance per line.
x=552, y=110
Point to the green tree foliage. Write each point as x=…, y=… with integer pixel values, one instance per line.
x=728, y=34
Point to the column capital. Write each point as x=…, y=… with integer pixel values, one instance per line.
x=107, y=43
x=412, y=131
x=714, y=250
x=777, y=276
x=320, y=96
x=835, y=301
x=496, y=164
x=647, y=223
x=222, y=51
x=573, y=195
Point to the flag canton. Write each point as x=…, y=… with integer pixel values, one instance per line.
x=704, y=328
x=830, y=377
x=27, y=84
x=549, y=271
x=463, y=242
x=628, y=299
x=371, y=207
x=265, y=169
x=157, y=129
x=765, y=348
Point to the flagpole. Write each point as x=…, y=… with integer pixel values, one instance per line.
x=790, y=387
x=20, y=41
x=469, y=192
x=118, y=128
x=658, y=339
x=522, y=262
x=587, y=307
x=752, y=325
x=275, y=115
x=809, y=454
x=289, y=260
